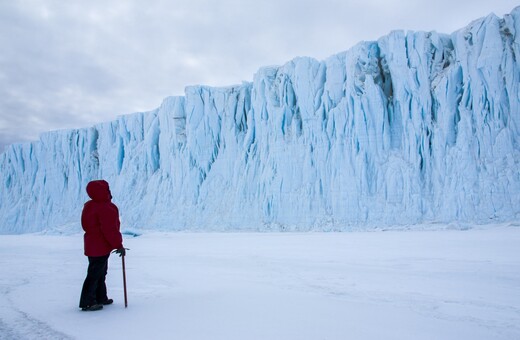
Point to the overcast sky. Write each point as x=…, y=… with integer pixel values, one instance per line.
x=71, y=64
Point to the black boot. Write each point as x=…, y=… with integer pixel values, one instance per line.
x=108, y=302
x=92, y=308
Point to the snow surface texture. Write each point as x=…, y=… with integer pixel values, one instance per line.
x=426, y=285
x=411, y=128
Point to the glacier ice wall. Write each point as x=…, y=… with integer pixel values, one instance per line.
x=415, y=127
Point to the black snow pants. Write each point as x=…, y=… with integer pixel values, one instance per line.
x=94, y=288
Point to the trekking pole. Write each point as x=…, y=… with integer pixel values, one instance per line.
x=124, y=274
x=124, y=280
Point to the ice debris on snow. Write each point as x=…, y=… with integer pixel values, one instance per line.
x=414, y=127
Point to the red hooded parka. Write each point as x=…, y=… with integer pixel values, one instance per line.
x=100, y=221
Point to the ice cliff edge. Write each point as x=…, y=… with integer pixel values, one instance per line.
x=415, y=127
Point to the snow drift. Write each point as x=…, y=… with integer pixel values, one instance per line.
x=415, y=127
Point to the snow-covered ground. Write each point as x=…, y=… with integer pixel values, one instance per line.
x=443, y=284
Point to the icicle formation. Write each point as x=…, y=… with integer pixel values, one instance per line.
x=416, y=127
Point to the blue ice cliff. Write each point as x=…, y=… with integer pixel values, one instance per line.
x=417, y=127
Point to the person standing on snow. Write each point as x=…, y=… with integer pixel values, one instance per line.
x=100, y=221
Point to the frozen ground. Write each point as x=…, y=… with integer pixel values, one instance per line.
x=445, y=284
